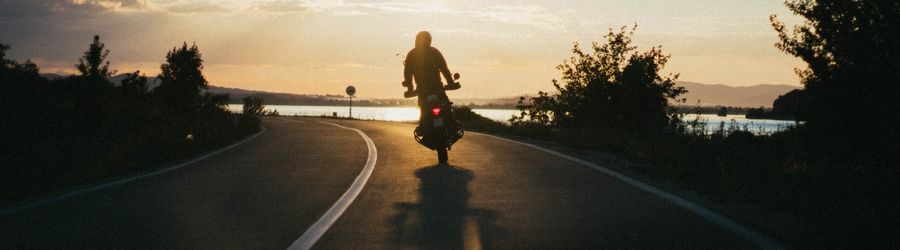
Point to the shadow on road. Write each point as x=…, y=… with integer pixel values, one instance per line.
x=442, y=219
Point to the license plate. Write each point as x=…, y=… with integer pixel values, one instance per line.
x=438, y=122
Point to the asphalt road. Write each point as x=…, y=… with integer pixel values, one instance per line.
x=266, y=193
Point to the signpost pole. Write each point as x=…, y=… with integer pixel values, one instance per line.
x=350, y=92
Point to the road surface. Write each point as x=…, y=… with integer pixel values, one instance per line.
x=266, y=193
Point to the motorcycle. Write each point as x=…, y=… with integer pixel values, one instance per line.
x=438, y=130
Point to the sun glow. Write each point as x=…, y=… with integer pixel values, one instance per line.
x=318, y=47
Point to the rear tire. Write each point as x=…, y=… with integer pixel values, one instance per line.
x=442, y=155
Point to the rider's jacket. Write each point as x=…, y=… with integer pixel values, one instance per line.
x=425, y=63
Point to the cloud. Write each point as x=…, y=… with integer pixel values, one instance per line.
x=283, y=6
x=107, y=5
x=456, y=31
x=196, y=7
x=353, y=65
x=533, y=15
x=43, y=7
x=408, y=7
x=350, y=13
x=321, y=5
x=342, y=8
x=521, y=15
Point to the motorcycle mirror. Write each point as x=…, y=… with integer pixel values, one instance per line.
x=456, y=76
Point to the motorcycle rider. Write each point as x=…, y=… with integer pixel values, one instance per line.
x=425, y=65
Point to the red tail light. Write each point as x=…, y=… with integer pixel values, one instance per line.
x=436, y=111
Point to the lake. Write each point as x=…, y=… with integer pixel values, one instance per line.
x=402, y=114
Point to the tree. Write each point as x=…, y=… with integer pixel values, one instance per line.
x=253, y=106
x=134, y=84
x=181, y=79
x=612, y=90
x=3, y=49
x=851, y=89
x=94, y=64
x=17, y=79
x=787, y=106
x=10, y=68
x=849, y=102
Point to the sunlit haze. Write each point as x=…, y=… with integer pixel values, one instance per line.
x=501, y=48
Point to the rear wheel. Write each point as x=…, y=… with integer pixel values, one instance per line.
x=442, y=155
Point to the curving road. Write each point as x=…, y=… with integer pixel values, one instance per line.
x=266, y=193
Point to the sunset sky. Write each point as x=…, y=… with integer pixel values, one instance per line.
x=501, y=48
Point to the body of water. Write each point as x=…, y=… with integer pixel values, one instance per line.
x=396, y=114
x=758, y=126
x=402, y=114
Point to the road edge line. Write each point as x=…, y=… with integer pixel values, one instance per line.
x=314, y=232
x=116, y=182
x=757, y=239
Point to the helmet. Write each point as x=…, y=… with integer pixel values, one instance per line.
x=423, y=39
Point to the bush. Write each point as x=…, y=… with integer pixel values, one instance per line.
x=611, y=91
x=81, y=129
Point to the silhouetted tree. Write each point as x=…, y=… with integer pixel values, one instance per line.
x=253, y=106
x=787, y=106
x=82, y=131
x=614, y=89
x=20, y=85
x=852, y=51
x=757, y=113
x=539, y=110
x=181, y=79
x=134, y=84
x=9, y=66
x=94, y=64
x=249, y=118
x=3, y=49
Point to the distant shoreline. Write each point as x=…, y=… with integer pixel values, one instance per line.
x=376, y=105
x=704, y=110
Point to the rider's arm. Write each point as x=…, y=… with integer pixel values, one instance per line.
x=442, y=66
x=407, y=71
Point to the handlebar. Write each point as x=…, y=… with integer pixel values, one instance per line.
x=450, y=86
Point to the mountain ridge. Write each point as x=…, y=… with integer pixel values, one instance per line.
x=761, y=95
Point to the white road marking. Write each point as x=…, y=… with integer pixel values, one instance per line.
x=758, y=239
x=117, y=182
x=309, y=238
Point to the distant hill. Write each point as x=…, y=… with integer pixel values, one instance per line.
x=52, y=76
x=708, y=94
x=236, y=95
x=723, y=95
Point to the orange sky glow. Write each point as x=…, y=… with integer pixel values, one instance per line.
x=501, y=48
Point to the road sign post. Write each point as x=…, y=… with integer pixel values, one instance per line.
x=350, y=92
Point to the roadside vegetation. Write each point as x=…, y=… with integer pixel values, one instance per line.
x=837, y=171
x=58, y=133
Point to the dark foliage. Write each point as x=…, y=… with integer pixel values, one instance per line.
x=249, y=119
x=852, y=50
x=253, y=106
x=837, y=170
x=94, y=64
x=181, y=79
x=607, y=96
x=785, y=107
x=135, y=85
x=851, y=92
x=76, y=130
x=472, y=121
